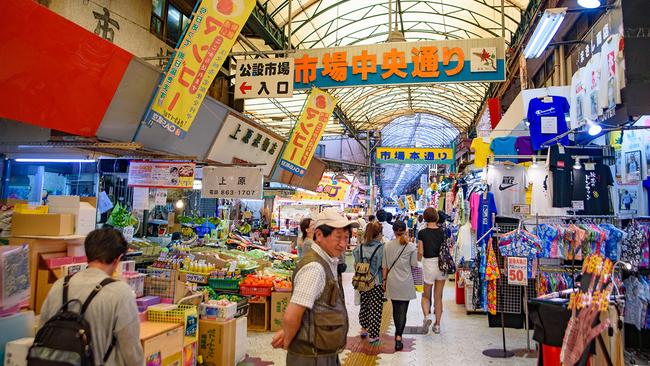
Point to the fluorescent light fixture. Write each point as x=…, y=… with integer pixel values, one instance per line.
x=25, y=160
x=590, y=4
x=594, y=128
x=545, y=31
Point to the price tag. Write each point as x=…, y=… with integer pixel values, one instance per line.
x=561, y=149
x=549, y=125
x=233, y=266
x=518, y=271
x=590, y=166
x=521, y=209
x=128, y=233
x=578, y=205
x=548, y=100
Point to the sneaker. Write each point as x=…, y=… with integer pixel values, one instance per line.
x=436, y=329
x=374, y=341
x=426, y=325
x=399, y=345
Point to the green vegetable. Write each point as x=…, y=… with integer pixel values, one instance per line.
x=121, y=217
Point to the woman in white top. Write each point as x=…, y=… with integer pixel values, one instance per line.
x=306, y=239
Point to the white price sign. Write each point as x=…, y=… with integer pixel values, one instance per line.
x=578, y=205
x=518, y=271
x=128, y=233
x=231, y=182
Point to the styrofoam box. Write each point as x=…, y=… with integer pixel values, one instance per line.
x=241, y=339
x=16, y=352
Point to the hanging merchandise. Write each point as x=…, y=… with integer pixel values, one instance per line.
x=634, y=247
x=449, y=203
x=509, y=186
x=547, y=120
x=481, y=152
x=487, y=208
x=524, y=146
x=549, y=282
x=541, y=198
x=576, y=241
x=521, y=243
x=504, y=146
x=578, y=98
x=593, y=87
x=492, y=274
x=612, y=66
x=560, y=162
x=474, y=203
x=591, y=189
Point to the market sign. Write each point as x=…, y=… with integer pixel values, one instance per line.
x=161, y=174
x=414, y=155
x=201, y=53
x=447, y=61
x=332, y=187
x=307, y=132
x=400, y=204
x=241, y=141
x=264, y=78
x=232, y=182
x=410, y=201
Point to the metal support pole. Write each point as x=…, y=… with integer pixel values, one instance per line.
x=288, y=47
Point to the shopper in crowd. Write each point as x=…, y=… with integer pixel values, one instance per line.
x=306, y=239
x=112, y=314
x=315, y=325
x=371, y=252
x=410, y=223
x=387, y=229
x=371, y=218
x=430, y=240
x=399, y=257
x=389, y=218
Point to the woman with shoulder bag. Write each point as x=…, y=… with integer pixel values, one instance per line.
x=399, y=257
x=430, y=241
x=371, y=252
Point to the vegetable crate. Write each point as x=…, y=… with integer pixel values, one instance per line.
x=255, y=290
x=224, y=284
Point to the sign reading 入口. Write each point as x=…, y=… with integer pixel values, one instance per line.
x=232, y=182
x=448, y=61
x=264, y=78
x=414, y=155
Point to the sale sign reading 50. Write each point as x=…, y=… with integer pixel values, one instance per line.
x=518, y=271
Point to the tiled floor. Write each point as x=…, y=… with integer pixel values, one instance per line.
x=461, y=342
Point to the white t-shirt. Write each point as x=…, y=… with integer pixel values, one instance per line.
x=542, y=192
x=578, y=99
x=464, y=245
x=387, y=231
x=612, y=78
x=508, y=183
x=592, y=82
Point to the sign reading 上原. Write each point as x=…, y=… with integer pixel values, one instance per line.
x=414, y=155
x=518, y=271
x=307, y=132
x=410, y=201
x=161, y=174
x=449, y=61
x=264, y=78
x=203, y=49
x=241, y=141
x=232, y=182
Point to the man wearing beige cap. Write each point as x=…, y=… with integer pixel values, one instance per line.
x=315, y=326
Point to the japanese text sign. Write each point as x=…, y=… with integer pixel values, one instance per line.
x=206, y=44
x=400, y=203
x=449, y=61
x=264, y=78
x=518, y=271
x=307, y=132
x=161, y=174
x=414, y=155
x=410, y=201
x=232, y=182
x=242, y=141
x=330, y=188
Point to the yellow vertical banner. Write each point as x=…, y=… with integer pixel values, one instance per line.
x=202, y=51
x=307, y=132
x=410, y=202
x=400, y=203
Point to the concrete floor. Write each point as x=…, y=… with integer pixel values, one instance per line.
x=461, y=342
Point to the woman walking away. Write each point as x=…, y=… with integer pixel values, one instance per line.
x=430, y=240
x=371, y=252
x=306, y=240
x=399, y=257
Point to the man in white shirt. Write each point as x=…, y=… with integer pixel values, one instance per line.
x=315, y=325
x=387, y=229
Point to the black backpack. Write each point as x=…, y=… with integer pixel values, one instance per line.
x=66, y=338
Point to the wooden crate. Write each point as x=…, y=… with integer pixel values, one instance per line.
x=259, y=315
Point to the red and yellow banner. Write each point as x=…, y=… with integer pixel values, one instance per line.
x=307, y=132
x=205, y=46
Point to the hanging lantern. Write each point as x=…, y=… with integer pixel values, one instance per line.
x=420, y=191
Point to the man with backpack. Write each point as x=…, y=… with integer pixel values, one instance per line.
x=91, y=304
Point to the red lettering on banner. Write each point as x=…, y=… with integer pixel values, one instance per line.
x=206, y=63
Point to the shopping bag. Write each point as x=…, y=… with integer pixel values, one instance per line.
x=418, y=278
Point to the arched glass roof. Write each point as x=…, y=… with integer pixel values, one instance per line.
x=419, y=130
x=331, y=23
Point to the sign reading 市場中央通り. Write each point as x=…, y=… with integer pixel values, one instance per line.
x=414, y=155
x=450, y=61
x=264, y=78
x=307, y=132
x=203, y=49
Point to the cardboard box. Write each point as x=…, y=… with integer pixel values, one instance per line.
x=42, y=224
x=83, y=208
x=279, y=302
x=217, y=342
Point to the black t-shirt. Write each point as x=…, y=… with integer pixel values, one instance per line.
x=432, y=240
x=591, y=185
x=561, y=165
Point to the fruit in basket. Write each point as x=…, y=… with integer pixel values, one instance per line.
x=283, y=285
x=257, y=281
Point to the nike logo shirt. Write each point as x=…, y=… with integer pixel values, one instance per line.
x=508, y=183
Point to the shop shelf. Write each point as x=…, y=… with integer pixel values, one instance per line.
x=224, y=284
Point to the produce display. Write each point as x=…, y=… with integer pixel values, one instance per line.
x=121, y=217
x=258, y=281
x=6, y=212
